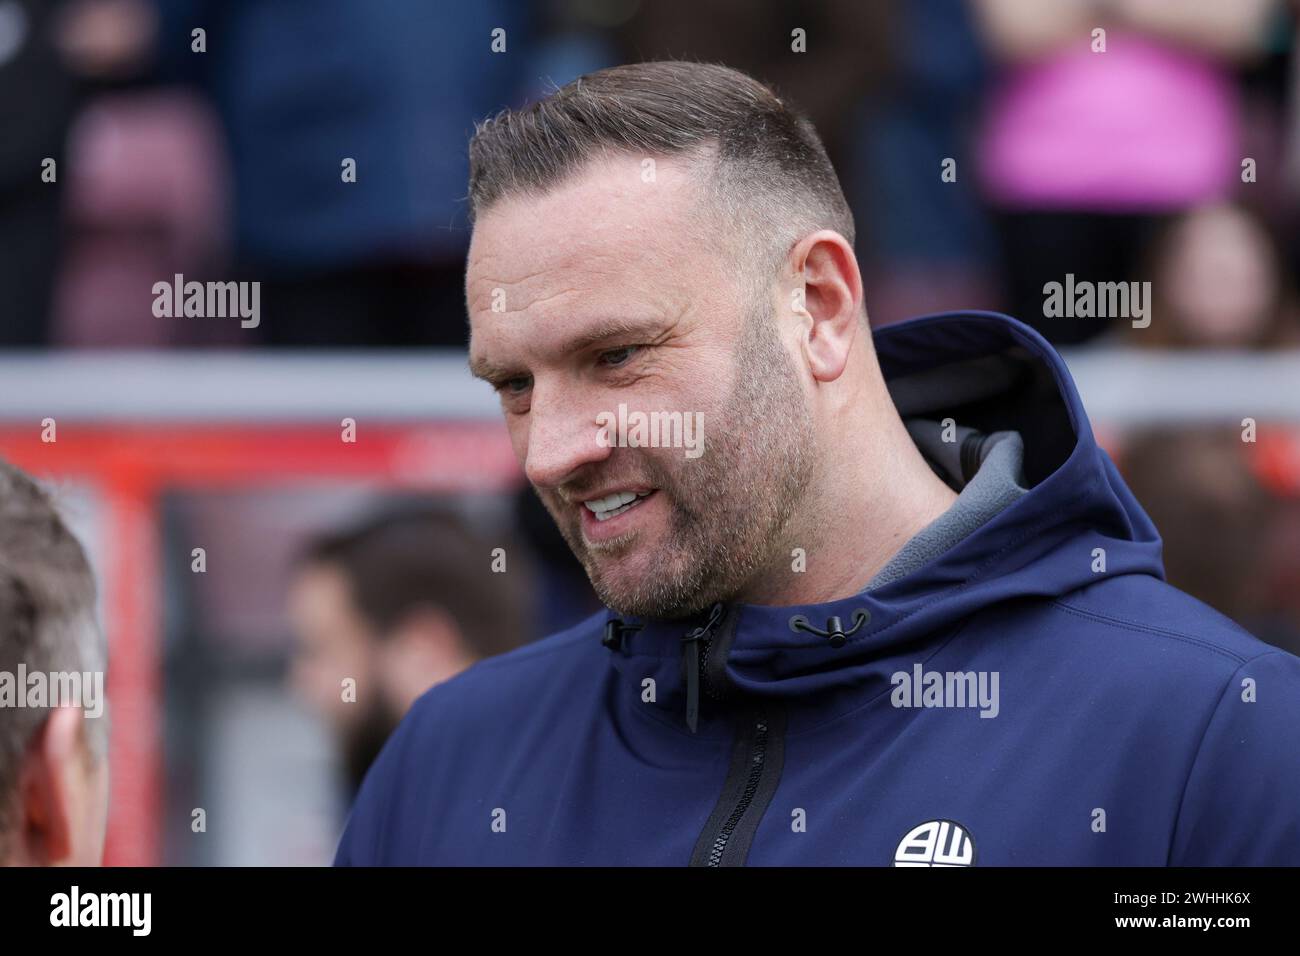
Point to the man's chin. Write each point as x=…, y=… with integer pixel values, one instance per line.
x=617, y=571
x=631, y=582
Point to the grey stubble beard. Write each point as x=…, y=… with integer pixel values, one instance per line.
x=732, y=508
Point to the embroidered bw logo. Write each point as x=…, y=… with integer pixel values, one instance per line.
x=936, y=843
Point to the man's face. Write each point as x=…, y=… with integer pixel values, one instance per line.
x=334, y=642
x=608, y=291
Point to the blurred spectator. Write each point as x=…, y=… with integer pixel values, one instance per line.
x=925, y=241
x=53, y=756
x=1217, y=282
x=146, y=199
x=397, y=604
x=1082, y=148
x=1217, y=521
x=845, y=48
x=39, y=94
x=302, y=86
x=345, y=128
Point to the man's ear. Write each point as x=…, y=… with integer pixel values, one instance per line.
x=824, y=263
x=51, y=790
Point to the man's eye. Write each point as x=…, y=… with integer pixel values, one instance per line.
x=617, y=357
x=515, y=386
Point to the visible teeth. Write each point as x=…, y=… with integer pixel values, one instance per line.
x=614, y=504
x=606, y=515
x=610, y=502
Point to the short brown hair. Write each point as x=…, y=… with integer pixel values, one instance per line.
x=407, y=558
x=768, y=168
x=47, y=618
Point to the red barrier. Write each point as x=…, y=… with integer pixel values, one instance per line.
x=132, y=465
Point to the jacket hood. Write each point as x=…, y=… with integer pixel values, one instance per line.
x=987, y=372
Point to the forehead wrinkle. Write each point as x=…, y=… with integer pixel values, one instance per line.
x=620, y=212
x=597, y=278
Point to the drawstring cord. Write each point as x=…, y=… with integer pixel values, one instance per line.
x=615, y=630
x=834, y=628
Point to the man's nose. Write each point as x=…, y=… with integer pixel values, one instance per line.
x=562, y=437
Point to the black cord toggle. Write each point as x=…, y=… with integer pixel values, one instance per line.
x=834, y=627
x=614, y=631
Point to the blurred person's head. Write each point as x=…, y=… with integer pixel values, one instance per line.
x=53, y=754
x=396, y=604
x=671, y=237
x=1216, y=282
x=1214, y=515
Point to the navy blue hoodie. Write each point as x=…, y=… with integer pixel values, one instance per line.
x=1035, y=694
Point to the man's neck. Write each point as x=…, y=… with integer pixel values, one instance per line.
x=874, y=494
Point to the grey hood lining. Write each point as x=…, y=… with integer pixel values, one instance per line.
x=987, y=471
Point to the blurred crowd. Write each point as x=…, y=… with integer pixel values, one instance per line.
x=988, y=147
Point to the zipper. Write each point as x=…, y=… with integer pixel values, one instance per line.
x=758, y=754
x=695, y=658
x=757, y=757
x=756, y=765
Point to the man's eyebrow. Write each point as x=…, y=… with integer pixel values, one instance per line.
x=650, y=331
x=488, y=370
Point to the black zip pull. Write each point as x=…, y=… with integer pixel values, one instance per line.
x=691, y=661
x=692, y=681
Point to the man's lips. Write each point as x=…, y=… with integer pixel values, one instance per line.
x=624, y=517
